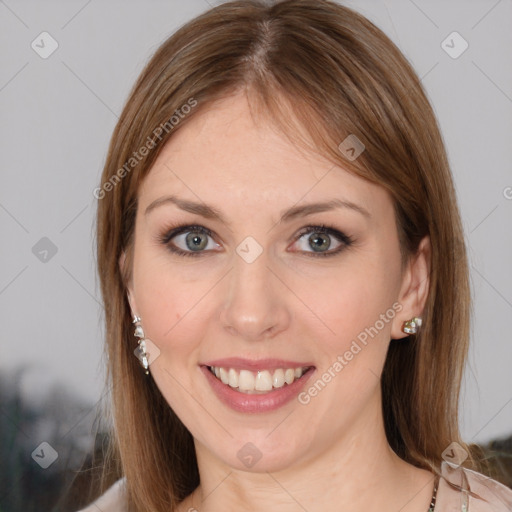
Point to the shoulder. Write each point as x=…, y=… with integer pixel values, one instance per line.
x=462, y=489
x=112, y=500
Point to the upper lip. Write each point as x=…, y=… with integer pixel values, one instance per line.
x=240, y=363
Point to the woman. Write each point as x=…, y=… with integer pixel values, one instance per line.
x=280, y=246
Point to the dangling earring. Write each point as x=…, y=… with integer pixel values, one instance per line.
x=140, y=351
x=411, y=326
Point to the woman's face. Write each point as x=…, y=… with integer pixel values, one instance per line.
x=252, y=285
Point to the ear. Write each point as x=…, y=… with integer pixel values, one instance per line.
x=414, y=288
x=129, y=287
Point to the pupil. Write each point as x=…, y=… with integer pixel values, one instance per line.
x=324, y=244
x=195, y=241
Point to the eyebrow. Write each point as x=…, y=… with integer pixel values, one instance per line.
x=210, y=212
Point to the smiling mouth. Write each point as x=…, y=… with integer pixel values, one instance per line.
x=258, y=382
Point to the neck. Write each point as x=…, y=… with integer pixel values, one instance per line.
x=338, y=478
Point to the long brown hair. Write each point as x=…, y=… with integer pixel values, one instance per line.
x=319, y=68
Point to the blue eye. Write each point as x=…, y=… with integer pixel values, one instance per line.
x=193, y=237
x=194, y=240
x=320, y=238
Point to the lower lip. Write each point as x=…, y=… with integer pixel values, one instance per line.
x=244, y=402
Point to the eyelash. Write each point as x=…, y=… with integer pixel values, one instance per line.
x=173, y=231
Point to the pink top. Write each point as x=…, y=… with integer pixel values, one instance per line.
x=460, y=490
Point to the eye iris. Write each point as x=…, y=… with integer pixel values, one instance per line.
x=322, y=239
x=196, y=242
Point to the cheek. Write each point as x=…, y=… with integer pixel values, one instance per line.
x=168, y=297
x=359, y=308
x=352, y=301
x=171, y=316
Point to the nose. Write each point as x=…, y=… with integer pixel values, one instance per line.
x=256, y=305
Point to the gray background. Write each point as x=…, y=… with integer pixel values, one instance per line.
x=58, y=114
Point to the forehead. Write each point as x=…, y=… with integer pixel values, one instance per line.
x=227, y=157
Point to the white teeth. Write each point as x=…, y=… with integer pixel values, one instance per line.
x=289, y=375
x=278, y=378
x=233, y=378
x=262, y=381
x=224, y=376
x=245, y=380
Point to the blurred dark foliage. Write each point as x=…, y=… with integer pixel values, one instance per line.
x=496, y=457
x=73, y=479
x=32, y=413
